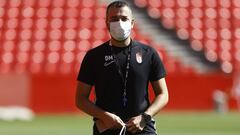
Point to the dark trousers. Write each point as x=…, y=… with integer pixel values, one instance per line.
x=149, y=129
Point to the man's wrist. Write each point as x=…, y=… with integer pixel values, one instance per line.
x=147, y=118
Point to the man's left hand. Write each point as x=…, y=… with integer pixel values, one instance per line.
x=136, y=124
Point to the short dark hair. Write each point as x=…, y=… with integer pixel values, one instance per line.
x=117, y=4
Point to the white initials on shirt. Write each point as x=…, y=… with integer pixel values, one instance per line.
x=108, y=60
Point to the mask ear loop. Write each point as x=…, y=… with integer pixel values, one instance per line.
x=123, y=130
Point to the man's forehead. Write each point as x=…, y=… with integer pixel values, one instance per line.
x=122, y=11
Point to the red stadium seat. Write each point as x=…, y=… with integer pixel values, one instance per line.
x=83, y=46
x=225, y=3
x=7, y=57
x=197, y=12
x=53, y=57
x=182, y=13
x=154, y=13
x=69, y=46
x=211, y=45
x=225, y=34
x=3, y=3
x=40, y=34
x=12, y=23
x=197, y=3
x=211, y=55
x=183, y=33
x=73, y=3
x=88, y=3
x=211, y=13
x=27, y=23
x=22, y=57
x=37, y=58
x=236, y=13
x=227, y=67
x=14, y=3
x=28, y=3
x=183, y=3
x=10, y=34
x=86, y=13
x=197, y=45
x=211, y=33
x=57, y=12
x=196, y=23
x=225, y=45
x=100, y=23
x=42, y=23
x=39, y=46
x=168, y=3
x=42, y=12
x=225, y=13
x=211, y=3
x=28, y=12
x=71, y=23
x=44, y=3
x=57, y=23
x=72, y=13
x=13, y=12
x=53, y=46
x=2, y=12
x=26, y=34
x=8, y=46
x=236, y=3
x=168, y=23
x=197, y=34
x=100, y=12
x=237, y=33
x=224, y=23
x=85, y=34
x=155, y=3
x=182, y=23
x=70, y=34
x=59, y=3
x=210, y=23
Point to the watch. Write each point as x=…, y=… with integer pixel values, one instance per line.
x=147, y=118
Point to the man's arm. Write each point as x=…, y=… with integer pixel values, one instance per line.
x=136, y=124
x=161, y=97
x=82, y=102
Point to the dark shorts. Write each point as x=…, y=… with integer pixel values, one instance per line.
x=149, y=129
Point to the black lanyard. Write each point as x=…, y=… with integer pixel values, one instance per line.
x=124, y=78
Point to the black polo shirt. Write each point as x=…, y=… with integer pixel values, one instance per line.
x=99, y=69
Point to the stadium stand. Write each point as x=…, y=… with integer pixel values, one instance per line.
x=211, y=26
x=53, y=36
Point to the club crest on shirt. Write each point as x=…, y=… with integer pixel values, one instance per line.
x=139, y=57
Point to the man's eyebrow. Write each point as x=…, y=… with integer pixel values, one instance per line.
x=117, y=16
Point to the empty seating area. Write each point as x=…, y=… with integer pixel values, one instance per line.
x=210, y=25
x=52, y=36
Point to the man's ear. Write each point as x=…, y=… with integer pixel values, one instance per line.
x=132, y=22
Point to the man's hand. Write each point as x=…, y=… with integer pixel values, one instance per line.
x=136, y=124
x=111, y=120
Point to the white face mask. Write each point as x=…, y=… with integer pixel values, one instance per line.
x=120, y=30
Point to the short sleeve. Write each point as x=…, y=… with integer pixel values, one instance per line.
x=86, y=73
x=157, y=68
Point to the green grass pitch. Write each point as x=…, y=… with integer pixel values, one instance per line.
x=168, y=123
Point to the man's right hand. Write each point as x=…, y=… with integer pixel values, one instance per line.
x=112, y=121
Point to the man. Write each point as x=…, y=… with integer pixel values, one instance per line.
x=120, y=71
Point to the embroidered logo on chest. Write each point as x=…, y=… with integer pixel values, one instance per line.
x=139, y=57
